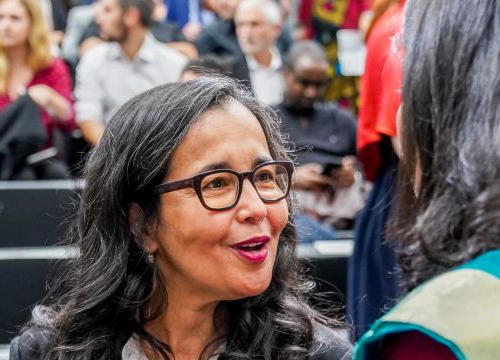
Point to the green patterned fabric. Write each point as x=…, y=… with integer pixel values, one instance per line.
x=460, y=309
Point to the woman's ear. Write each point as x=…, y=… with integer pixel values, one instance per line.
x=140, y=230
x=397, y=140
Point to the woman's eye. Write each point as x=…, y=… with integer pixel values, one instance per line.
x=264, y=176
x=215, y=184
x=225, y=181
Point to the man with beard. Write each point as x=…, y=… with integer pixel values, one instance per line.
x=130, y=62
x=324, y=139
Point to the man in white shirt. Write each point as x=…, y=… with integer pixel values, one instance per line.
x=130, y=62
x=258, y=26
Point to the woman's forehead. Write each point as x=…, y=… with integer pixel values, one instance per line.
x=230, y=133
x=230, y=115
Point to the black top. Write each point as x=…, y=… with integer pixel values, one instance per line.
x=327, y=129
x=33, y=345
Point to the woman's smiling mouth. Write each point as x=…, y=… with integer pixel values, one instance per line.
x=253, y=250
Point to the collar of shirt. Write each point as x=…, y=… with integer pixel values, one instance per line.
x=133, y=351
x=275, y=64
x=146, y=52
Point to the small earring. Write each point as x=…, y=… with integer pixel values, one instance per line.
x=151, y=258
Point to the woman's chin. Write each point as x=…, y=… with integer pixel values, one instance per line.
x=251, y=288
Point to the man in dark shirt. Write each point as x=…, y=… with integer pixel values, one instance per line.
x=219, y=37
x=324, y=139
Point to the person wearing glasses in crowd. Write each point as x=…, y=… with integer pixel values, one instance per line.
x=321, y=134
x=187, y=246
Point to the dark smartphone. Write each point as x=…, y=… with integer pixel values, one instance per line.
x=328, y=167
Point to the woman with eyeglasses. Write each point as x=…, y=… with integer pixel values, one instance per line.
x=187, y=250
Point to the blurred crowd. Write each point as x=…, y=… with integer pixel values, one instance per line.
x=66, y=67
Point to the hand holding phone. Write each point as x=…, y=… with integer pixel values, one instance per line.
x=332, y=164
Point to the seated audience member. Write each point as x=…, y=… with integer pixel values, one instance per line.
x=28, y=67
x=448, y=196
x=186, y=243
x=325, y=176
x=189, y=16
x=130, y=62
x=205, y=65
x=258, y=26
x=90, y=36
x=161, y=31
x=220, y=36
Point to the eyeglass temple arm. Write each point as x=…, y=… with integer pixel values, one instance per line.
x=173, y=186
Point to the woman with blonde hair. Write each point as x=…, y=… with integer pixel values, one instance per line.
x=28, y=67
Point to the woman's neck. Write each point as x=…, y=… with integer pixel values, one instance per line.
x=17, y=56
x=20, y=73
x=187, y=327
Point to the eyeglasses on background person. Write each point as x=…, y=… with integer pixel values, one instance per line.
x=221, y=189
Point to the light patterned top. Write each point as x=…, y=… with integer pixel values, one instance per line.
x=133, y=351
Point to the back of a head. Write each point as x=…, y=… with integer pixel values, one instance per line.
x=451, y=130
x=209, y=64
x=304, y=48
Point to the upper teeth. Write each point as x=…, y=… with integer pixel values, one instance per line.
x=252, y=244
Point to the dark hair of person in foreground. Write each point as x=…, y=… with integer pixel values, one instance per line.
x=105, y=295
x=451, y=123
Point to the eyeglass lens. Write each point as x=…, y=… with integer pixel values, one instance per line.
x=220, y=190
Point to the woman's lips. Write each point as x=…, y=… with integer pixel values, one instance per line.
x=253, y=250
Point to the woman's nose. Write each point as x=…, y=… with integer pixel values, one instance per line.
x=251, y=208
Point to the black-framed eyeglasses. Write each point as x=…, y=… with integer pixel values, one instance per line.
x=221, y=189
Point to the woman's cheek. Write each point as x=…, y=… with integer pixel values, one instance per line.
x=279, y=217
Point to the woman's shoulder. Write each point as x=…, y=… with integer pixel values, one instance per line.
x=329, y=344
x=32, y=344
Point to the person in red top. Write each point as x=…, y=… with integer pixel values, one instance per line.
x=28, y=67
x=380, y=89
x=373, y=283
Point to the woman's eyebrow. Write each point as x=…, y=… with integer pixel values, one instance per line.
x=226, y=165
x=215, y=166
x=261, y=160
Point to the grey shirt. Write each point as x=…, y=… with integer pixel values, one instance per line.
x=106, y=78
